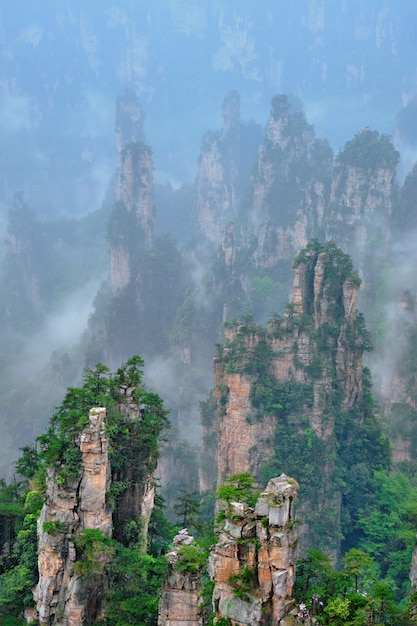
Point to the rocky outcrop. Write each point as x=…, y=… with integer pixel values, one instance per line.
x=133, y=218
x=286, y=208
x=363, y=196
x=129, y=122
x=253, y=563
x=180, y=603
x=286, y=393
x=218, y=172
x=137, y=500
x=77, y=519
x=224, y=169
x=413, y=569
x=292, y=183
x=62, y=595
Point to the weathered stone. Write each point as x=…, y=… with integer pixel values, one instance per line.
x=270, y=557
x=134, y=191
x=180, y=601
x=246, y=433
x=62, y=595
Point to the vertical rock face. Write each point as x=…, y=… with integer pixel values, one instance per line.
x=22, y=251
x=253, y=563
x=137, y=500
x=68, y=593
x=133, y=214
x=413, y=569
x=301, y=193
x=292, y=182
x=180, y=601
x=133, y=217
x=287, y=393
x=223, y=174
x=363, y=195
x=288, y=207
x=129, y=122
x=135, y=187
x=179, y=604
x=62, y=595
x=243, y=443
x=218, y=172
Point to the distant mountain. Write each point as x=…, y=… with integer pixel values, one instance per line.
x=63, y=64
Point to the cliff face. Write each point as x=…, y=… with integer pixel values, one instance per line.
x=129, y=122
x=300, y=193
x=253, y=563
x=292, y=182
x=132, y=219
x=223, y=169
x=137, y=500
x=62, y=595
x=363, y=196
x=180, y=601
x=286, y=393
x=287, y=207
x=77, y=520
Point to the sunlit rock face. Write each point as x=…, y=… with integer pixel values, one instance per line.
x=66, y=595
x=253, y=563
x=296, y=381
x=62, y=595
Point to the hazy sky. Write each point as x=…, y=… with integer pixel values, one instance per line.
x=64, y=63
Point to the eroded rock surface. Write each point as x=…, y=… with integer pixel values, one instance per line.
x=297, y=385
x=63, y=596
x=180, y=603
x=253, y=563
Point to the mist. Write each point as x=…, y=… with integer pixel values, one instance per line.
x=65, y=66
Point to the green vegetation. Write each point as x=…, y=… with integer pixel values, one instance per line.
x=133, y=451
x=187, y=509
x=353, y=595
x=369, y=150
x=191, y=558
x=94, y=549
x=243, y=581
x=346, y=463
x=238, y=488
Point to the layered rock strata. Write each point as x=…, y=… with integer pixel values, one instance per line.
x=62, y=595
x=253, y=563
x=288, y=392
x=133, y=218
x=181, y=598
x=224, y=169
